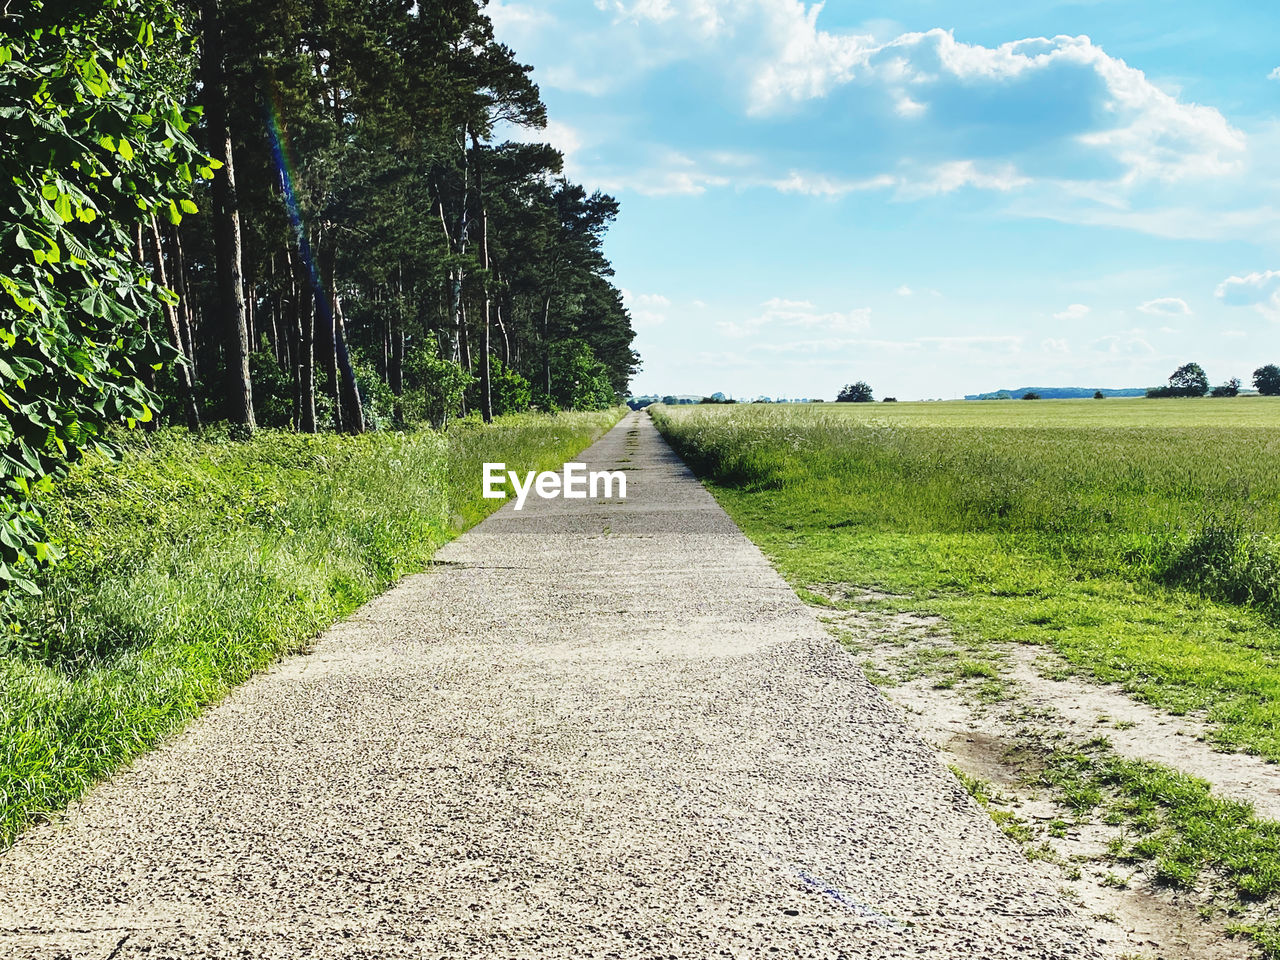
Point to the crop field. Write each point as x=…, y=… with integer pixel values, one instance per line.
x=1139, y=539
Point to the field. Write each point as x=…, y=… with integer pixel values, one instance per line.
x=1139, y=539
x=192, y=563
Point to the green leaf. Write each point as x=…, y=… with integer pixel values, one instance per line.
x=171, y=213
x=125, y=149
x=188, y=206
x=62, y=207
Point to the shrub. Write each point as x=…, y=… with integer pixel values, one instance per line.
x=1229, y=389
x=1031, y=395
x=1224, y=561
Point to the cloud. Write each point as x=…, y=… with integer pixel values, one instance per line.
x=1258, y=290
x=1055, y=345
x=1166, y=307
x=798, y=314
x=821, y=185
x=1274, y=74
x=951, y=176
x=647, y=309
x=1077, y=311
x=904, y=291
x=1122, y=345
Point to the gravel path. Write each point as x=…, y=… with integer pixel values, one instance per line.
x=594, y=730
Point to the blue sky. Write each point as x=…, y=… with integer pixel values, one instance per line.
x=936, y=197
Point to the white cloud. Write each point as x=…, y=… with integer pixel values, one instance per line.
x=1233, y=334
x=904, y=291
x=799, y=314
x=1055, y=345
x=1259, y=290
x=1118, y=345
x=1274, y=74
x=1077, y=311
x=647, y=309
x=1150, y=132
x=951, y=176
x=1166, y=307
x=821, y=185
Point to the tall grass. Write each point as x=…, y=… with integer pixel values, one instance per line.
x=192, y=563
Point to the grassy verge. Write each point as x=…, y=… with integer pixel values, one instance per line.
x=192, y=563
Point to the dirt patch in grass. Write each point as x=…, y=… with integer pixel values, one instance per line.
x=1000, y=712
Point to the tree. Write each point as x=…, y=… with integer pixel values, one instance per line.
x=1229, y=389
x=226, y=218
x=1099, y=395
x=94, y=147
x=859, y=392
x=1189, y=380
x=1030, y=395
x=1267, y=380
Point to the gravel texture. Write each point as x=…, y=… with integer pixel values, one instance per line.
x=594, y=729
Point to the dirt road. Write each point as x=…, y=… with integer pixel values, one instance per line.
x=593, y=730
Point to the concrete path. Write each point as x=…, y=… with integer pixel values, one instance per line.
x=594, y=730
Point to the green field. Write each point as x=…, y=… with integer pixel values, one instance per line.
x=191, y=563
x=1137, y=537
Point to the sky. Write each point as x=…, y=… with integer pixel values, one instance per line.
x=938, y=197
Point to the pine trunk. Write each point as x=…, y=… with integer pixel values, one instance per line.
x=226, y=220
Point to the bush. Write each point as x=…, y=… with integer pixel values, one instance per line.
x=578, y=380
x=1229, y=389
x=1225, y=562
x=1030, y=395
x=509, y=392
x=1099, y=395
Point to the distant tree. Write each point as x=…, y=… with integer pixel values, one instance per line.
x=1267, y=380
x=1189, y=380
x=886, y=400
x=1229, y=389
x=859, y=392
x=1003, y=395
x=1031, y=395
x=1099, y=395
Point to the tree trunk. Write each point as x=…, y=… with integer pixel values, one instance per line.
x=326, y=331
x=352, y=406
x=226, y=220
x=175, y=334
x=186, y=316
x=304, y=305
x=546, y=345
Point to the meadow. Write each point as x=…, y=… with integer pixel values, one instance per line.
x=192, y=562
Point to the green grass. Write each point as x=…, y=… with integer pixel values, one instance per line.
x=193, y=563
x=1132, y=536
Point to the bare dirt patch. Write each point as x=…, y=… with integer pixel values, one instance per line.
x=992, y=710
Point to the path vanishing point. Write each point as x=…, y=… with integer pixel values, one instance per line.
x=593, y=729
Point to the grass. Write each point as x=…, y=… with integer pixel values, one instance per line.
x=1135, y=537
x=192, y=563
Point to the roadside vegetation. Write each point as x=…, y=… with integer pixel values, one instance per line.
x=191, y=563
x=1139, y=539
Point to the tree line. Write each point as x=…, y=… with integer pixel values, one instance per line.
x=1190, y=380
x=311, y=214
